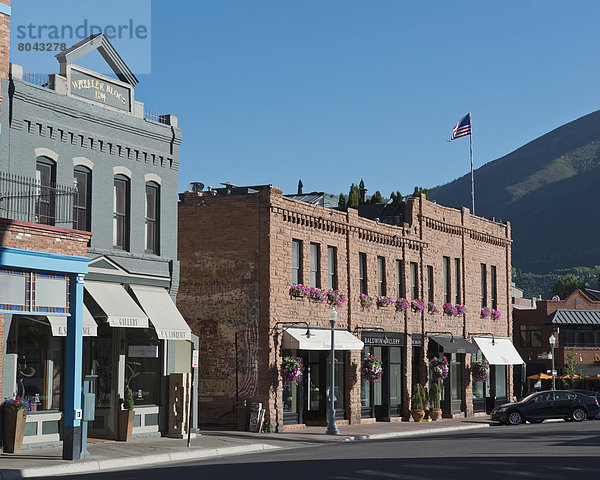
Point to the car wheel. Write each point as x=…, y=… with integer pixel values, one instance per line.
x=539, y=420
x=578, y=414
x=515, y=418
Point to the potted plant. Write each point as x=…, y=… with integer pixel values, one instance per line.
x=435, y=393
x=15, y=416
x=417, y=402
x=126, y=417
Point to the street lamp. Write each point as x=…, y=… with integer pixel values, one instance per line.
x=552, y=341
x=332, y=428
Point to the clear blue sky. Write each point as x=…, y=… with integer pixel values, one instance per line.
x=269, y=91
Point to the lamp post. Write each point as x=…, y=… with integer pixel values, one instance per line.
x=552, y=341
x=332, y=428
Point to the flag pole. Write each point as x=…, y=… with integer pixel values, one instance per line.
x=472, y=180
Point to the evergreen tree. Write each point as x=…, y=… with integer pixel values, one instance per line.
x=376, y=198
x=354, y=196
x=300, y=186
x=419, y=190
x=396, y=197
x=342, y=201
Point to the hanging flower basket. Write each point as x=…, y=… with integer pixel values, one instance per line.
x=292, y=370
x=495, y=314
x=372, y=369
x=335, y=298
x=439, y=368
x=417, y=305
x=298, y=291
x=481, y=371
x=402, y=305
x=317, y=295
x=366, y=301
x=432, y=308
x=382, y=301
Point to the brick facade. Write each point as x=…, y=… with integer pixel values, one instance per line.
x=43, y=238
x=236, y=262
x=534, y=355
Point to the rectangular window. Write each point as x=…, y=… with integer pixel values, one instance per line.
x=429, y=283
x=297, y=261
x=121, y=213
x=332, y=277
x=494, y=287
x=381, y=286
x=45, y=177
x=483, y=285
x=81, y=208
x=530, y=335
x=399, y=279
x=152, y=216
x=414, y=280
x=362, y=272
x=457, y=281
x=315, y=265
x=447, y=287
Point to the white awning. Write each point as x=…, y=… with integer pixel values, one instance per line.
x=498, y=351
x=319, y=339
x=118, y=306
x=166, y=319
x=59, y=325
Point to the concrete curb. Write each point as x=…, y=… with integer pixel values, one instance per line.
x=89, y=466
x=428, y=431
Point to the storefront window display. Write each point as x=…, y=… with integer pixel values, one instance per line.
x=39, y=362
x=142, y=366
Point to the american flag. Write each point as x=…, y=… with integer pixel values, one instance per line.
x=462, y=128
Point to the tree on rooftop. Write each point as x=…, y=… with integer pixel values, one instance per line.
x=396, y=197
x=342, y=201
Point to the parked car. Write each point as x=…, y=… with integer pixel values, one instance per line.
x=589, y=393
x=540, y=406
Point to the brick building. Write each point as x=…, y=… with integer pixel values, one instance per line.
x=575, y=324
x=241, y=249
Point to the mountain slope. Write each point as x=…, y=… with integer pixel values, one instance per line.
x=549, y=190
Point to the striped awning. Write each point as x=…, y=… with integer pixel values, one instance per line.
x=574, y=317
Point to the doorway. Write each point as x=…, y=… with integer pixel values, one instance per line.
x=383, y=399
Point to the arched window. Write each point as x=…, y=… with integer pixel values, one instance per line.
x=121, y=209
x=152, y=222
x=45, y=177
x=82, y=209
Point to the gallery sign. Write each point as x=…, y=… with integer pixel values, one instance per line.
x=97, y=88
x=384, y=339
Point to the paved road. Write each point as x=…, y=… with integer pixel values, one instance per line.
x=548, y=451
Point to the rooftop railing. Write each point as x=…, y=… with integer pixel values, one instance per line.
x=28, y=200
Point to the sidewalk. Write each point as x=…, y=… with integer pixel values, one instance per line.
x=115, y=455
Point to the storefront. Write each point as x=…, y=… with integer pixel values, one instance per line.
x=129, y=352
x=499, y=352
x=383, y=399
x=454, y=348
x=306, y=402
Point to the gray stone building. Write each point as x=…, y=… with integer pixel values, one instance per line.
x=81, y=128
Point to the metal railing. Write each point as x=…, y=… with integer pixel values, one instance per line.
x=155, y=117
x=39, y=79
x=26, y=199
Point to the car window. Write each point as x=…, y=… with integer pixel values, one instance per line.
x=564, y=395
